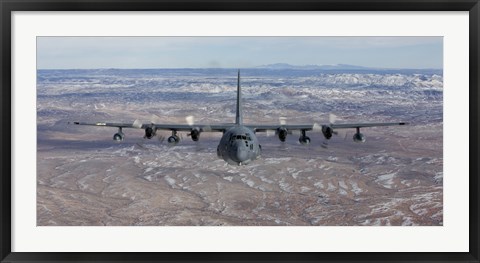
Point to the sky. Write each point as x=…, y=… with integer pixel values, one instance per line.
x=237, y=52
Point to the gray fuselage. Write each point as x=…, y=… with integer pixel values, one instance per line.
x=239, y=146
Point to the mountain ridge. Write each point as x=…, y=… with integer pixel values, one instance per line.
x=330, y=67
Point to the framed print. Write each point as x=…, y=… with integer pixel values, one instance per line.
x=334, y=131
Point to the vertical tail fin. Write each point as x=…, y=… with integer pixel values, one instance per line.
x=239, y=118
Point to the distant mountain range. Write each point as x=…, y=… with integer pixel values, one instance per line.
x=319, y=67
x=313, y=67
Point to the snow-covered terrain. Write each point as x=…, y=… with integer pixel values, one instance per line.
x=85, y=178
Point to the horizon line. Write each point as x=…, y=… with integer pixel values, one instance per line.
x=236, y=68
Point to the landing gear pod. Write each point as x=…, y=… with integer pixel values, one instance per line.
x=119, y=136
x=174, y=139
x=304, y=139
x=358, y=137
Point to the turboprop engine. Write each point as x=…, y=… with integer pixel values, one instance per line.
x=195, y=134
x=282, y=134
x=327, y=132
x=150, y=132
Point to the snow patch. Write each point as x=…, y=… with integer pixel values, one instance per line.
x=169, y=180
x=386, y=180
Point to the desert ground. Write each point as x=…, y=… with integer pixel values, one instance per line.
x=85, y=178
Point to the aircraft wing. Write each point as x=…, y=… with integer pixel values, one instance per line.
x=170, y=127
x=226, y=126
x=362, y=125
x=264, y=128
x=309, y=127
x=104, y=124
x=186, y=127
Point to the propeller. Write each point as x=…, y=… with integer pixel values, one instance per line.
x=161, y=138
x=295, y=132
x=332, y=118
x=341, y=132
x=156, y=119
x=316, y=127
x=191, y=122
x=137, y=124
x=271, y=133
x=282, y=121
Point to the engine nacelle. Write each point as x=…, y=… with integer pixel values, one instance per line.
x=174, y=139
x=358, y=137
x=150, y=132
x=119, y=136
x=195, y=134
x=282, y=134
x=327, y=132
x=304, y=140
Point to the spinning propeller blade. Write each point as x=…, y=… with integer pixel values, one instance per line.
x=270, y=133
x=161, y=138
x=137, y=124
x=332, y=118
x=155, y=119
x=316, y=127
x=190, y=120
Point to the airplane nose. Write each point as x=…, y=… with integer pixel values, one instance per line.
x=241, y=155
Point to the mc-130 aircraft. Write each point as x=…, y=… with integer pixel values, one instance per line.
x=239, y=144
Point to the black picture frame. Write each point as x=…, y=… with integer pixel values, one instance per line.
x=9, y=6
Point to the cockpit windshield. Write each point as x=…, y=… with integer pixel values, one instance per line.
x=245, y=137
